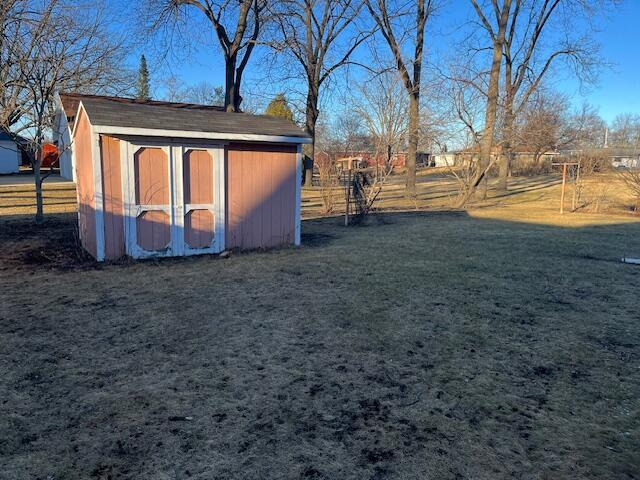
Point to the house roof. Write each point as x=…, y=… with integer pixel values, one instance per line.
x=125, y=113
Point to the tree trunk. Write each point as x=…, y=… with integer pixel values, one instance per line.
x=39, y=206
x=231, y=91
x=412, y=150
x=311, y=120
x=37, y=162
x=507, y=146
x=237, y=98
x=503, y=173
x=486, y=144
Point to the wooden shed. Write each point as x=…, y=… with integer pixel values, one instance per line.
x=170, y=179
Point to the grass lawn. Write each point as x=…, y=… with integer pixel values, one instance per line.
x=502, y=342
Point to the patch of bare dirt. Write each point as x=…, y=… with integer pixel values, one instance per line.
x=54, y=244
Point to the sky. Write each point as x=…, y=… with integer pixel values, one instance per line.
x=617, y=90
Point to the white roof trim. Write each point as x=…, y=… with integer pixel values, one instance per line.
x=75, y=123
x=152, y=132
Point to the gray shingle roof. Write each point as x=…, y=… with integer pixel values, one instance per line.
x=114, y=112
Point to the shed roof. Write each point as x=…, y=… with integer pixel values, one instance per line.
x=182, y=117
x=71, y=102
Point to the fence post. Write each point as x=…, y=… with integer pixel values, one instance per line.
x=348, y=198
x=564, y=183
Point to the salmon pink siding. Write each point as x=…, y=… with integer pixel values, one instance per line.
x=261, y=195
x=198, y=181
x=165, y=196
x=85, y=185
x=112, y=191
x=153, y=191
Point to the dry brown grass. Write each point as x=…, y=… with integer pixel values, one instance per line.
x=20, y=200
x=490, y=344
x=438, y=191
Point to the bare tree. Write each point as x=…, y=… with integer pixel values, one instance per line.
x=543, y=127
x=317, y=36
x=204, y=93
x=236, y=25
x=384, y=13
x=500, y=11
x=548, y=124
x=382, y=108
x=349, y=133
x=625, y=130
x=63, y=46
x=590, y=129
x=541, y=35
x=466, y=104
x=328, y=181
x=631, y=178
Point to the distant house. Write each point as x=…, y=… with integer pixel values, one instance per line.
x=369, y=158
x=10, y=154
x=444, y=159
x=625, y=157
x=522, y=159
x=620, y=157
x=66, y=111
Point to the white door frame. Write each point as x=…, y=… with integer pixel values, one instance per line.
x=176, y=208
x=217, y=208
x=132, y=211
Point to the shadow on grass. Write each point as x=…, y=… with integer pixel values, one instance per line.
x=55, y=244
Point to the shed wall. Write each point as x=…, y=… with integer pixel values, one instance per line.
x=9, y=157
x=112, y=192
x=261, y=195
x=85, y=185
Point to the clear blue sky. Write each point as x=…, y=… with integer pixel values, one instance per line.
x=619, y=87
x=617, y=91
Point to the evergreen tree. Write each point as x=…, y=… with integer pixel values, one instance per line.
x=143, y=80
x=279, y=107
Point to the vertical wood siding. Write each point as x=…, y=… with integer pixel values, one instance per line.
x=198, y=177
x=261, y=195
x=85, y=185
x=151, y=170
x=152, y=177
x=112, y=191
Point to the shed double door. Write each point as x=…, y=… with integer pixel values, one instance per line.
x=175, y=200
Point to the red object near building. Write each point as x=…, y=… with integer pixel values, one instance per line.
x=49, y=155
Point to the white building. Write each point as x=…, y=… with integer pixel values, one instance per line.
x=445, y=159
x=66, y=109
x=10, y=154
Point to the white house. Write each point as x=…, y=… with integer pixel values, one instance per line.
x=444, y=159
x=10, y=154
x=66, y=109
